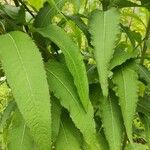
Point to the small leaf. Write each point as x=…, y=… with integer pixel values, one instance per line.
x=6, y=114
x=146, y=121
x=126, y=81
x=104, y=28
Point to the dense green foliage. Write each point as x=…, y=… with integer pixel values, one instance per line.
x=74, y=75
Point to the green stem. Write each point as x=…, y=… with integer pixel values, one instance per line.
x=145, y=41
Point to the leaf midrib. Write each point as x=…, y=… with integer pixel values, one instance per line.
x=23, y=66
x=61, y=82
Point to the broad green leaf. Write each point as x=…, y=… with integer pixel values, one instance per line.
x=146, y=122
x=126, y=81
x=26, y=76
x=19, y=135
x=112, y=122
x=104, y=28
x=61, y=83
x=73, y=59
x=69, y=136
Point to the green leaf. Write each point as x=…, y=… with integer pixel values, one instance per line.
x=112, y=121
x=19, y=135
x=15, y=13
x=136, y=146
x=46, y=14
x=92, y=74
x=144, y=73
x=126, y=81
x=6, y=114
x=146, y=121
x=69, y=136
x=124, y=3
x=36, y=4
x=73, y=59
x=120, y=57
x=61, y=83
x=56, y=113
x=26, y=76
x=144, y=105
x=104, y=28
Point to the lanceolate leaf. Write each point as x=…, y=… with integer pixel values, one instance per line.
x=104, y=28
x=69, y=136
x=144, y=105
x=6, y=114
x=56, y=114
x=61, y=83
x=73, y=59
x=146, y=122
x=46, y=13
x=126, y=81
x=144, y=73
x=19, y=135
x=112, y=122
x=25, y=73
x=120, y=57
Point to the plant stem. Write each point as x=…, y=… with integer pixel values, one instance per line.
x=23, y=4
